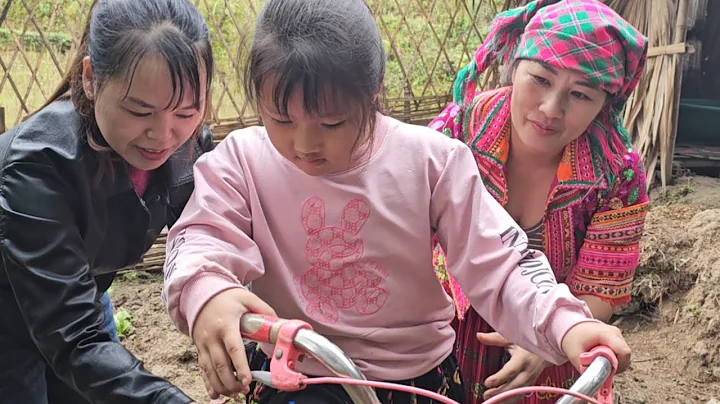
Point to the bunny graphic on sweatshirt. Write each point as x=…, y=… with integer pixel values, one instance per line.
x=338, y=278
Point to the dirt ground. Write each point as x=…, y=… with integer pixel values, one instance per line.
x=673, y=325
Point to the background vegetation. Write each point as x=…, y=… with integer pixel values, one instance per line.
x=426, y=42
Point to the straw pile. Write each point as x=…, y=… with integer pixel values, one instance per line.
x=651, y=113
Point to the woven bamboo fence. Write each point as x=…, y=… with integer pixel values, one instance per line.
x=426, y=42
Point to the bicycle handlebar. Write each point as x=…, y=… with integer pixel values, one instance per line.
x=596, y=379
x=289, y=336
x=267, y=329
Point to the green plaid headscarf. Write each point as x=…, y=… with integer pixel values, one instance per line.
x=582, y=35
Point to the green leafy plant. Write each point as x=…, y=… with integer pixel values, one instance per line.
x=123, y=322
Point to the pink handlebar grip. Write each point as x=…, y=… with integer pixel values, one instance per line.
x=259, y=327
x=281, y=333
x=282, y=365
x=605, y=394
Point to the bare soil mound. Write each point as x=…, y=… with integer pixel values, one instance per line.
x=681, y=259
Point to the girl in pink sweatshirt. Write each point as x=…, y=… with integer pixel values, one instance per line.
x=330, y=210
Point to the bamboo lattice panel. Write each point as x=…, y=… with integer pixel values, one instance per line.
x=426, y=42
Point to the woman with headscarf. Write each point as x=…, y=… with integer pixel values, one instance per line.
x=552, y=150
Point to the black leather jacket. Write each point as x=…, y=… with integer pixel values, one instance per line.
x=62, y=238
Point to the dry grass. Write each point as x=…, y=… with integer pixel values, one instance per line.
x=650, y=114
x=679, y=246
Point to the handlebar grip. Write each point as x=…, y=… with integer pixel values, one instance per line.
x=281, y=333
x=260, y=328
x=601, y=350
x=605, y=394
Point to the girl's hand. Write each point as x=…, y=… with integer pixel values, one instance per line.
x=585, y=336
x=221, y=351
x=521, y=370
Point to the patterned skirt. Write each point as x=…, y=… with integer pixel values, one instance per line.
x=478, y=362
x=444, y=379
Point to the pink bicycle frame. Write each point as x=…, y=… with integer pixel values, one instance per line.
x=294, y=338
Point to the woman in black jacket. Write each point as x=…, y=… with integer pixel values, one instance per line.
x=86, y=185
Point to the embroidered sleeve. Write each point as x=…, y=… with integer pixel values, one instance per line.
x=448, y=122
x=446, y=280
x=610, y=252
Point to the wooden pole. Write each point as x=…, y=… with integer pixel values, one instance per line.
x=2, y=120
x=407, y=95
x=667, y=142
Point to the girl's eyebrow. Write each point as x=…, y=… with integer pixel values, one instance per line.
x=140, y=102
x=334, y=115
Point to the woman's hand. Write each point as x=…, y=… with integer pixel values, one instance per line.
x=587, y=335
x=221, y=351
x=521, y=370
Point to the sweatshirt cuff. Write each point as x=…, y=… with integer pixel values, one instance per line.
x=199, y=290
x=565, y=318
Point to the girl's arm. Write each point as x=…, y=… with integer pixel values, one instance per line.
x=209, y=249
x=510, y=286
x=45, y=264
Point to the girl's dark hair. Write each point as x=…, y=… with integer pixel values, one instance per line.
x=119, y=33
x=330, y=49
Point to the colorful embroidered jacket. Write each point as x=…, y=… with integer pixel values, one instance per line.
x=592, y=228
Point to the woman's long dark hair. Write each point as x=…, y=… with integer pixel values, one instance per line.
x=120, y=33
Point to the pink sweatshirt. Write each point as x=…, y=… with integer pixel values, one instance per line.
x=351, y=253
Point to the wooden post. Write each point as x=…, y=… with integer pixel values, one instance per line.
x=2, y=120
x=407, y=95
x=667, y=142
